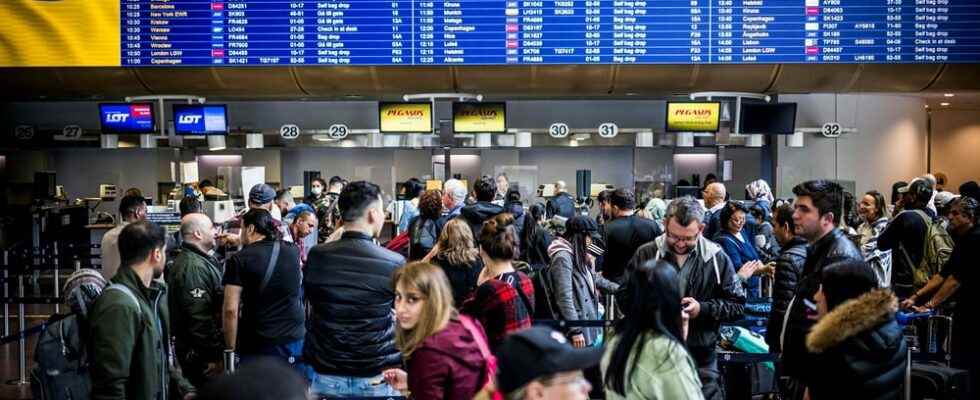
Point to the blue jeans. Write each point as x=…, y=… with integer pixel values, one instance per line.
x=289, y=353
x=349, y=386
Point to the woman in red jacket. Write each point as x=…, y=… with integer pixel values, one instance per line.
x=442, y=349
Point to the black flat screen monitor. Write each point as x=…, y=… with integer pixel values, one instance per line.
x=776, y=119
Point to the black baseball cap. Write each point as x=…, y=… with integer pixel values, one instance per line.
x=538, y=352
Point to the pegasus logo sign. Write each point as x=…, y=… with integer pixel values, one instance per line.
x=116, y=117
x=189, y=119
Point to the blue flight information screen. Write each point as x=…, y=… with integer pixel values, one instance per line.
x=126, y=118
x=200, y=120
x=492, y=32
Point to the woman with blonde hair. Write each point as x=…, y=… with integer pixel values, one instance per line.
x=446, y=354
x=459, y=259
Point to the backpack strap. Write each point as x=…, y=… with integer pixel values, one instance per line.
x=129, y=293
x=481, y=343
x=520, y=292
x=271, y=267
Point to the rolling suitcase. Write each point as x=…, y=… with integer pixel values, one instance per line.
x=937, y=381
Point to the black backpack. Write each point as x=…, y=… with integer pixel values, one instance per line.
x=545, y=307
x=61, y=365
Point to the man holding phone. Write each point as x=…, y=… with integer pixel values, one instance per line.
x=711, y=290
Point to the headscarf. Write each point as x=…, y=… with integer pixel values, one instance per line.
x=759, y=190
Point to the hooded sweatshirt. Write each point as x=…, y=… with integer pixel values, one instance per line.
x=448, y=365
x=476, y=214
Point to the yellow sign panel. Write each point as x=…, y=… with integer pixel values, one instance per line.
x=693, y=117
x=433, y=185
x=479, y=117
x=405, y=117
x=79, y=33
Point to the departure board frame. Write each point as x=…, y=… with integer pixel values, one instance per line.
x=554, y=32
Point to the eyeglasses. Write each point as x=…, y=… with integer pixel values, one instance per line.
x=674, y=238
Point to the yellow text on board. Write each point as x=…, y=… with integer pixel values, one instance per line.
x=694, y=117
x=64, y=33
x=406, y=117
x=480, y=118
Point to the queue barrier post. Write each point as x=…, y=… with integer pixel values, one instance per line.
x=57, y=283
x=6, y=292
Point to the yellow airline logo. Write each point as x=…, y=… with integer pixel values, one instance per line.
x=692, y=117
x=479, y=118
x=405, y=117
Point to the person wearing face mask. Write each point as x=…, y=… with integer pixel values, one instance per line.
x=323, y=199
x=263, y=281
x=443, y=350
x=735, y=241
x=351, y=338
x=196, y=296
x=711, y=290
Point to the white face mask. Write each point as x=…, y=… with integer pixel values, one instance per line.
x=316, y=190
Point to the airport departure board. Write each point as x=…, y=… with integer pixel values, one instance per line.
x=147, y=33
x=482, y=32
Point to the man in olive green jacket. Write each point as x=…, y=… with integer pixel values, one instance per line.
x=131, y=357
x=196, y=296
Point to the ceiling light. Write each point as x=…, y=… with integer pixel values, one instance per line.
x=948, y=95
x=944, y=104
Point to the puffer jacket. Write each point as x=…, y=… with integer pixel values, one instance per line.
x=478, y=213
x=789, y=269
x=859, y=350
x=350, y=331
x=833, y=247
x=709, y=277
x=574, y=288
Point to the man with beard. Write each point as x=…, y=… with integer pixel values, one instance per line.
x=712, y=292
x=131, y=357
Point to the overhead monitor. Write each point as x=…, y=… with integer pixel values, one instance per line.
x=767, y=118
x=123, y=118
x=480, y=117
x=405, y=117
x=691, y=116
x=203, y=119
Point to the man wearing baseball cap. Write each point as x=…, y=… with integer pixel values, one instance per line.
x=539, y=363
x=906, y=235
x=260, y=196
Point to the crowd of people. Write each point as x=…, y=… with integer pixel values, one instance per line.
x=451, y=313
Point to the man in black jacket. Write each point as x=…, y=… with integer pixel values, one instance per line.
x=351, y=337
x=712, y=292
x=816, y=216
x=563, y=204
x=905, y=236
x=481, y=211
x=789, y=268
x=624, y=234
